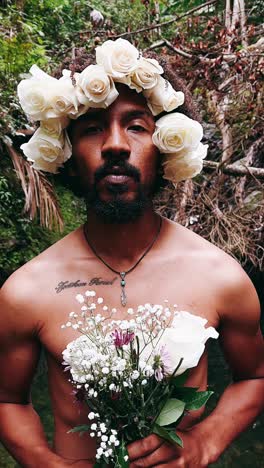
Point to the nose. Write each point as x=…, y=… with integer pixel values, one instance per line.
x=116, y=143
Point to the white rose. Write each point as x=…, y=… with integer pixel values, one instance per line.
x=63, y=99
x=182, y=166
x=119, y=58
x=146, y=74
x=47, y=153
x=177, y=132
x=163, y=97
x=184, y=339
x=95, y=87
x=43, y=97
x=33, y=99
x=54, y=127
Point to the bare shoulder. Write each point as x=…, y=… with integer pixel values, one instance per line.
x=23, y=291
x=237, y=300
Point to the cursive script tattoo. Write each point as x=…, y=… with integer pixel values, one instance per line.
x=96, y=281
x=69, y=284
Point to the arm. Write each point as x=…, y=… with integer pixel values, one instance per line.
x=20, y=428
x=240, y=403
x=243, y=346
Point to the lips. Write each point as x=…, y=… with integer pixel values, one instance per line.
x=117, y=178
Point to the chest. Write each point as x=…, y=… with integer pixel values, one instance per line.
x=164, y=284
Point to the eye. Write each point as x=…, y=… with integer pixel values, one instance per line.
x=137, y=128
x=92, y=130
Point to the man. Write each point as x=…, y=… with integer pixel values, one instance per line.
x=116, y=163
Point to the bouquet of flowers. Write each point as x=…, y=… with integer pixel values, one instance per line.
x=131, y=373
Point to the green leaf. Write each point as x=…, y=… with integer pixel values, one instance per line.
x=198, y=400
x=180, y=380
x=170, y=436
x=121, y=454
x=184, y=393
x=82, y=429
x=171, y=412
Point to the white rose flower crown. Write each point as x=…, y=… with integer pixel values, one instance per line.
x=53, y=102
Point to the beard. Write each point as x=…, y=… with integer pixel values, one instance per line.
x=118, y=210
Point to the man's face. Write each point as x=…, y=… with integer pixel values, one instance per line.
x=115, y=158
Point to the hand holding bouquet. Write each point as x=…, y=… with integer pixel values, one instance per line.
x=131, y=373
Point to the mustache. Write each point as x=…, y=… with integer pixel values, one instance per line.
x=122, y=167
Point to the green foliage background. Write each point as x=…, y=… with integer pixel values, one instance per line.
x=42, y=32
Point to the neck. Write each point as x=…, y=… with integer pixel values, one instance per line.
x=122, y=244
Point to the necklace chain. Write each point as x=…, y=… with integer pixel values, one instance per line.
x=122, y=274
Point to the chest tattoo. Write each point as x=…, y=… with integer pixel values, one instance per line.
x=95, y=281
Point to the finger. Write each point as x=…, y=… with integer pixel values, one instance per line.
x=162, y=455
x=143, y=447
x=179, y=463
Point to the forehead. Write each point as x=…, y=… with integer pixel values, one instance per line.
x=128, y=102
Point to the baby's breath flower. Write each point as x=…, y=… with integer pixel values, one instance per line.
x=80, y=298
x=90, y=293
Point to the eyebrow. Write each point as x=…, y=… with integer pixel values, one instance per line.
x=136, y=113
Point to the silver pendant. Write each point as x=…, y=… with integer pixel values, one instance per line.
x=123, y=296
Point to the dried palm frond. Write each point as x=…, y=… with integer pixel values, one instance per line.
x=210, y=209
x=39, y=193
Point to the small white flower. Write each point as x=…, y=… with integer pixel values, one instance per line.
x=90, y=293
x=100, y=300
x=94, y=427
x=126, y=458
x=104, y=438
x=80, y=298
x=68, y=324
x=112, y=438
x=92, y=434
x=135, y=375
x=144, y=382
x=91, y=416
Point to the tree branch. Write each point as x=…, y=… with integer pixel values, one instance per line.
x=234, y=169
x=160, y=25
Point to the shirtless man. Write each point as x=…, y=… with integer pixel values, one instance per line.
x=180, y=267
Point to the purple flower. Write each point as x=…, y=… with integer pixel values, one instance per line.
x=165, y=359
x=122, y=338
x=159, y=374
